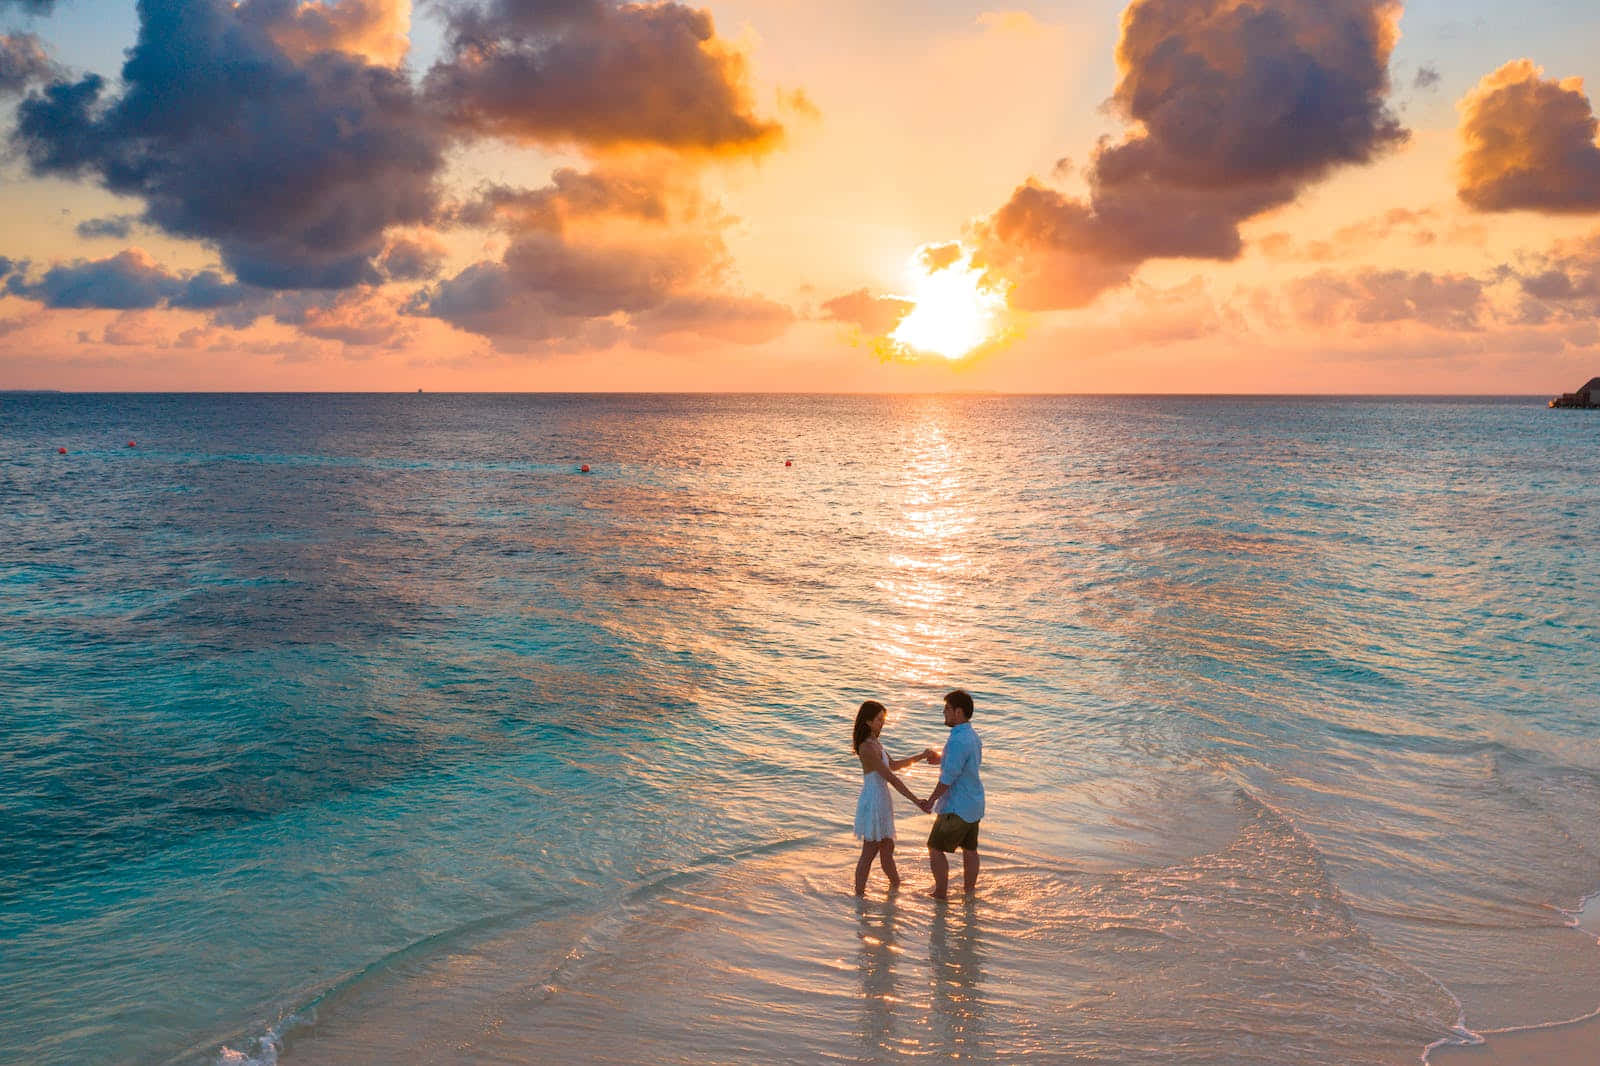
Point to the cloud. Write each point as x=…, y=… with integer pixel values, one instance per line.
x=574, y=194
x=598, y=75
x=377, y=30
x=118, y=227
x=1370, y=297
x=129, y=280
x=412, y=257
x=32, y=7
x=1427, y=78
x=935, y=257
x=1565, y=281
x=1233, y=108
x=1529, y=144
x=875, y=315
x=292, y=168
x=23, y=62
x=735, y=319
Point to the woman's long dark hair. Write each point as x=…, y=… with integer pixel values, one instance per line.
x=869, y=710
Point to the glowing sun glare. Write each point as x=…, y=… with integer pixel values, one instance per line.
x=952, y=311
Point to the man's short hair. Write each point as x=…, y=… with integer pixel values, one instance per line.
x=960, y=700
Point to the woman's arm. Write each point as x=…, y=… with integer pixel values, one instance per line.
x=879, y=764
x=901, y=764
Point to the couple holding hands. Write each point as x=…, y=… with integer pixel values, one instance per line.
x=958, y=799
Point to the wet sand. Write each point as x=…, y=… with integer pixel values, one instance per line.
x=1562, y=1045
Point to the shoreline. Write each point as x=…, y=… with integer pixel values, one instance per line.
x=1554, y=1044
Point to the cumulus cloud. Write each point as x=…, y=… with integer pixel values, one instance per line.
x=1529, y=143
x=23, y=62
x=292, y=169
x=1234, y=107
x=876, y=315
x=597, y=74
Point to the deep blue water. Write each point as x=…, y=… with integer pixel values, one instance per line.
x=304, y=695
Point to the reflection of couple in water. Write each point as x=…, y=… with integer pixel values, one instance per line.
x=958, y=799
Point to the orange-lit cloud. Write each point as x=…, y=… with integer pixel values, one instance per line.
x=1529, y=143
x=598, y=75
x=1234, y=107
x=377, y=30
x=875, y=315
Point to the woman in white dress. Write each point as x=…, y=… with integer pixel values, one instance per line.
x=875, y=808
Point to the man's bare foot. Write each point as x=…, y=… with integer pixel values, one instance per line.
x=934, y=893
x=894, y=885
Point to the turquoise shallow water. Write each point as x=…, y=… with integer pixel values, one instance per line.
x=356, y=728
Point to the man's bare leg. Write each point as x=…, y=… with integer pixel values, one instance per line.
x=969, y=870
x=940, y=865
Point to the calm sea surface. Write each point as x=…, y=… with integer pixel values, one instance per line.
x=357, y=729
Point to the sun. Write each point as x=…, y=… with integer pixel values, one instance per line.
x=953, y=311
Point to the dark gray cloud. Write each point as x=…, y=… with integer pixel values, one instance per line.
x=597, y=74
x=1529, y=144
x=292, y=169
x=1426, y=78
x=1234, y=109
x=131, y=280
x=23, y=62
x=118, y=227
x=126, y=281
x=32, y=7
x=877, y=315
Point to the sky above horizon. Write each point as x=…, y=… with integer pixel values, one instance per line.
x=1282, y=196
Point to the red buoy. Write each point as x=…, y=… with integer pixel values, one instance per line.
x=788, y=462
x=133, y=444
x=584, y=469
x=61, y=451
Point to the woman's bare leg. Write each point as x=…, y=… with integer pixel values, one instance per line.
x=886, y=860
x=869, y=848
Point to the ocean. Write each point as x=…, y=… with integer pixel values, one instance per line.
x=370, y=729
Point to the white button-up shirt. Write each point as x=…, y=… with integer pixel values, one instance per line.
x=958, y=768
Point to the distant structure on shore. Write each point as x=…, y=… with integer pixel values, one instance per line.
x=1588, y=396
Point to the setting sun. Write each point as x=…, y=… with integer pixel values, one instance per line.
x=953, y=312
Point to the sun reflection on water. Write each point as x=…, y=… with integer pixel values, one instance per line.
x=917, y=642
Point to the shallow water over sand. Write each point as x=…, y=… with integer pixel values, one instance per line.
x=354, y=728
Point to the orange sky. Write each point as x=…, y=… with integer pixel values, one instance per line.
x=1328, y=196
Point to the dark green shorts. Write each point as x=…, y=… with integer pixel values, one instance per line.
x=951, y=832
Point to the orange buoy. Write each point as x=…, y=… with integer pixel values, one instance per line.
x=61, y=451
x=584, y=469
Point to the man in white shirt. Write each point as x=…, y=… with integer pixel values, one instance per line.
x=958, y=799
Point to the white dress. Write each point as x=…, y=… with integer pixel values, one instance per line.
x=875, y=808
